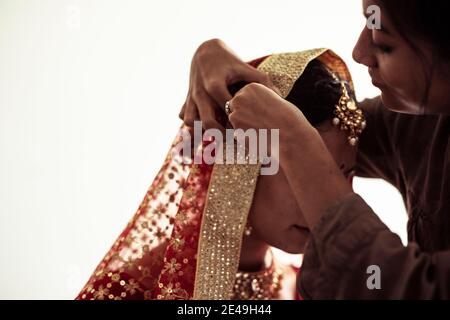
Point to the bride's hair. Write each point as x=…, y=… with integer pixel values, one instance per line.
x=316, y=93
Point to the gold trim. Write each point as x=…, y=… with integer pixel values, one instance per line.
x=230, y=196
x=285, y=68
x=260, y=285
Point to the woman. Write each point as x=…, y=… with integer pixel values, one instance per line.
x=406, y=143
x=199, y=234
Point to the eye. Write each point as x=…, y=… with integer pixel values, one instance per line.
x=383, y=48
x=378, y=40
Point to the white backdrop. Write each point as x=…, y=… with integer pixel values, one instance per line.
x=90, y=91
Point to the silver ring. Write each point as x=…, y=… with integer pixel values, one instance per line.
x=227, y=108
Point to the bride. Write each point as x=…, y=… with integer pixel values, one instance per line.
x=205, y=231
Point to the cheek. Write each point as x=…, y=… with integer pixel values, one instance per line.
x=404, y=81
x=273, y=210
x=274, y=214
x=395, y=73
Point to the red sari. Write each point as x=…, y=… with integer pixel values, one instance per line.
x=184, y=240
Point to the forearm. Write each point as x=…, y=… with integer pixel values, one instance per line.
x=313, y=175
x=353, y=255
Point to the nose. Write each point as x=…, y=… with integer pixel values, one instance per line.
x=364, y=49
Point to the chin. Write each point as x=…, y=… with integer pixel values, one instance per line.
x=286, y=246
x=294, y=249
x=399, y=105
x=294, y=240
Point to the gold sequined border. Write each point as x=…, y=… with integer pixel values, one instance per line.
x=230, y=196
x=285, y=68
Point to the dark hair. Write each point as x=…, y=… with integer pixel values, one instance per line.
x=427, y=21
x=422, y=19
x=315, y=93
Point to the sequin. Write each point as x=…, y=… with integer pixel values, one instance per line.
x=228, y=204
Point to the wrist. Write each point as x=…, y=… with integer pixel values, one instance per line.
x=297, y=136
x=312, y=172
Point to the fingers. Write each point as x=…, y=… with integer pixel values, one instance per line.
x=210, y=115
x=183, y=108
x=218, y=92
x=206, y=111
x=181, y=115
x=190, y=114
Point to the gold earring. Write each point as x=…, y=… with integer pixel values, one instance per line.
x=349, y=117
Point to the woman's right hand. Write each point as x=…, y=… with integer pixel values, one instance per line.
x=214, y=69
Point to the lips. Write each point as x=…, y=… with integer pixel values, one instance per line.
x=375, y=82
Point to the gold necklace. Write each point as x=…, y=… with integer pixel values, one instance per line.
x=259, y=285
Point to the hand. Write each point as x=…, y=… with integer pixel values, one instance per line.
x=258, y=107
x=214, y=68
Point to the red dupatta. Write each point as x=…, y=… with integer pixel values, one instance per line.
x=184, y=240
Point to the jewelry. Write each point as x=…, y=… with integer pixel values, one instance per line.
x=260, y=285
x=248, y=230
x=227, y=108
x=349, y=117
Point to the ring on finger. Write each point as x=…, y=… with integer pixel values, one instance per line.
x=228, y=108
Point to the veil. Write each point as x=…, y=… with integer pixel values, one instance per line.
x=185, y=239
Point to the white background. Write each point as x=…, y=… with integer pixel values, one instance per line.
x=89, y=97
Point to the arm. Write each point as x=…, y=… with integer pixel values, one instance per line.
x=347, y=236
x=348, y=240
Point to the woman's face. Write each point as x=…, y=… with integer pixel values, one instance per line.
x=275, y=217
x=398, y=71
